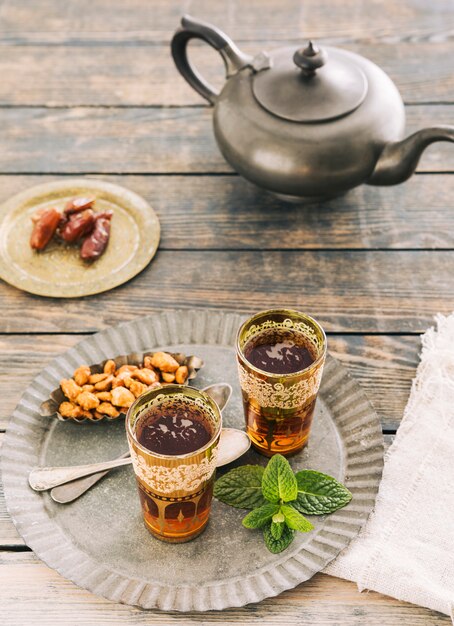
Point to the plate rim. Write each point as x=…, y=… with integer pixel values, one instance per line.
x=212, y=327
x=50, y=290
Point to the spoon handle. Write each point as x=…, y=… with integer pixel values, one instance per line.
x=68, y=492
x=43, y=478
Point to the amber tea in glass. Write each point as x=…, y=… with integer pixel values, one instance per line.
x=280, y=356
x=173, y=434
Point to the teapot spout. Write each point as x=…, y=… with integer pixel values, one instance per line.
x=398, y=160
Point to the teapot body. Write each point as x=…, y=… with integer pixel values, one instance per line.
x=307, y=160
x=309, y=123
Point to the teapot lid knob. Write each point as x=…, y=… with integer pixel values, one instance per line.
x=310, y=58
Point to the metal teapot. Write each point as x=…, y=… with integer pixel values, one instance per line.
x=306, y=123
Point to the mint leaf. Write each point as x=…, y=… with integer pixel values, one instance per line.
x=259, y=517
x=278, y=545
x=241, y=487
x=277, y=529
x=279, y=482
x=295, y=520
x=319, y=493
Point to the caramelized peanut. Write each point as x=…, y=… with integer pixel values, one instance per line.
x=70, y=388
x=105, y=385
x=181, y=374
x=147, y=363
x=106, y=408
x=104, y=396
x=135, y=387
x=87, y=400
x=81, y=375
x=126, y=368
x=167, y=377
x=109, y=367
x=118, y=382
x=147, y=377
x=122, y=397
x=69, y=409
x=97, y=378
x=164, y=362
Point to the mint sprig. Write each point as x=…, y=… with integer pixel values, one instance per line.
x=278, y=481
x=319, y=493
x=278, y=545
x=241, y=487
x=279, y=498
x=258, y=518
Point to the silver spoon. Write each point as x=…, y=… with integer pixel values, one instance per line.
x=233, y=444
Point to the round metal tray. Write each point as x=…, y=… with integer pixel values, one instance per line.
x=100, y=542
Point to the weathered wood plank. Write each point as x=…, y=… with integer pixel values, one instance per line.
x=113, y=140
x=44, y=21
x=34, y=593
x=383, y=365
x=348, y=291
x=216, y=212
x=144, y=76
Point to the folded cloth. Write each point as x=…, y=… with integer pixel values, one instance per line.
x=406, y=548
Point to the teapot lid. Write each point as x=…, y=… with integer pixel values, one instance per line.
x=310, y=87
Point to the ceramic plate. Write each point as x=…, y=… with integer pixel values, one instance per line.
x=100, y=542
x=58, y=271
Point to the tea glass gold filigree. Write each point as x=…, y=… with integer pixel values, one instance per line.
x=279, y=408
x=175, y=490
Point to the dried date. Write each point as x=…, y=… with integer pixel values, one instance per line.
x=76, y=205
x=78, y=225
x=108, y=213
x=95, y=244
x=44, y=228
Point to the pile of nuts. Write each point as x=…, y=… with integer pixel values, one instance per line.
x=111, y=393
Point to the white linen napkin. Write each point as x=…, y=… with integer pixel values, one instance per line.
x=406, y=548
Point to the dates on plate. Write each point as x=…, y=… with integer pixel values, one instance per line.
x=77, y=222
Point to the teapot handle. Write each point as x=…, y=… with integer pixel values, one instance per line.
x=234, y=59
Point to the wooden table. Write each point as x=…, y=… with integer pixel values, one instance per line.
x=88, y=88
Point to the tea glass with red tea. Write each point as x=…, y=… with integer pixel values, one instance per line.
x=173, y=434
x=280, y=356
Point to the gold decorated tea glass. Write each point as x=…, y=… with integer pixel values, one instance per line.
x=278, y=408
x=175, y=490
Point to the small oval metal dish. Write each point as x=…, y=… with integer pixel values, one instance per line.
x=58, y=271
x=49, y=408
